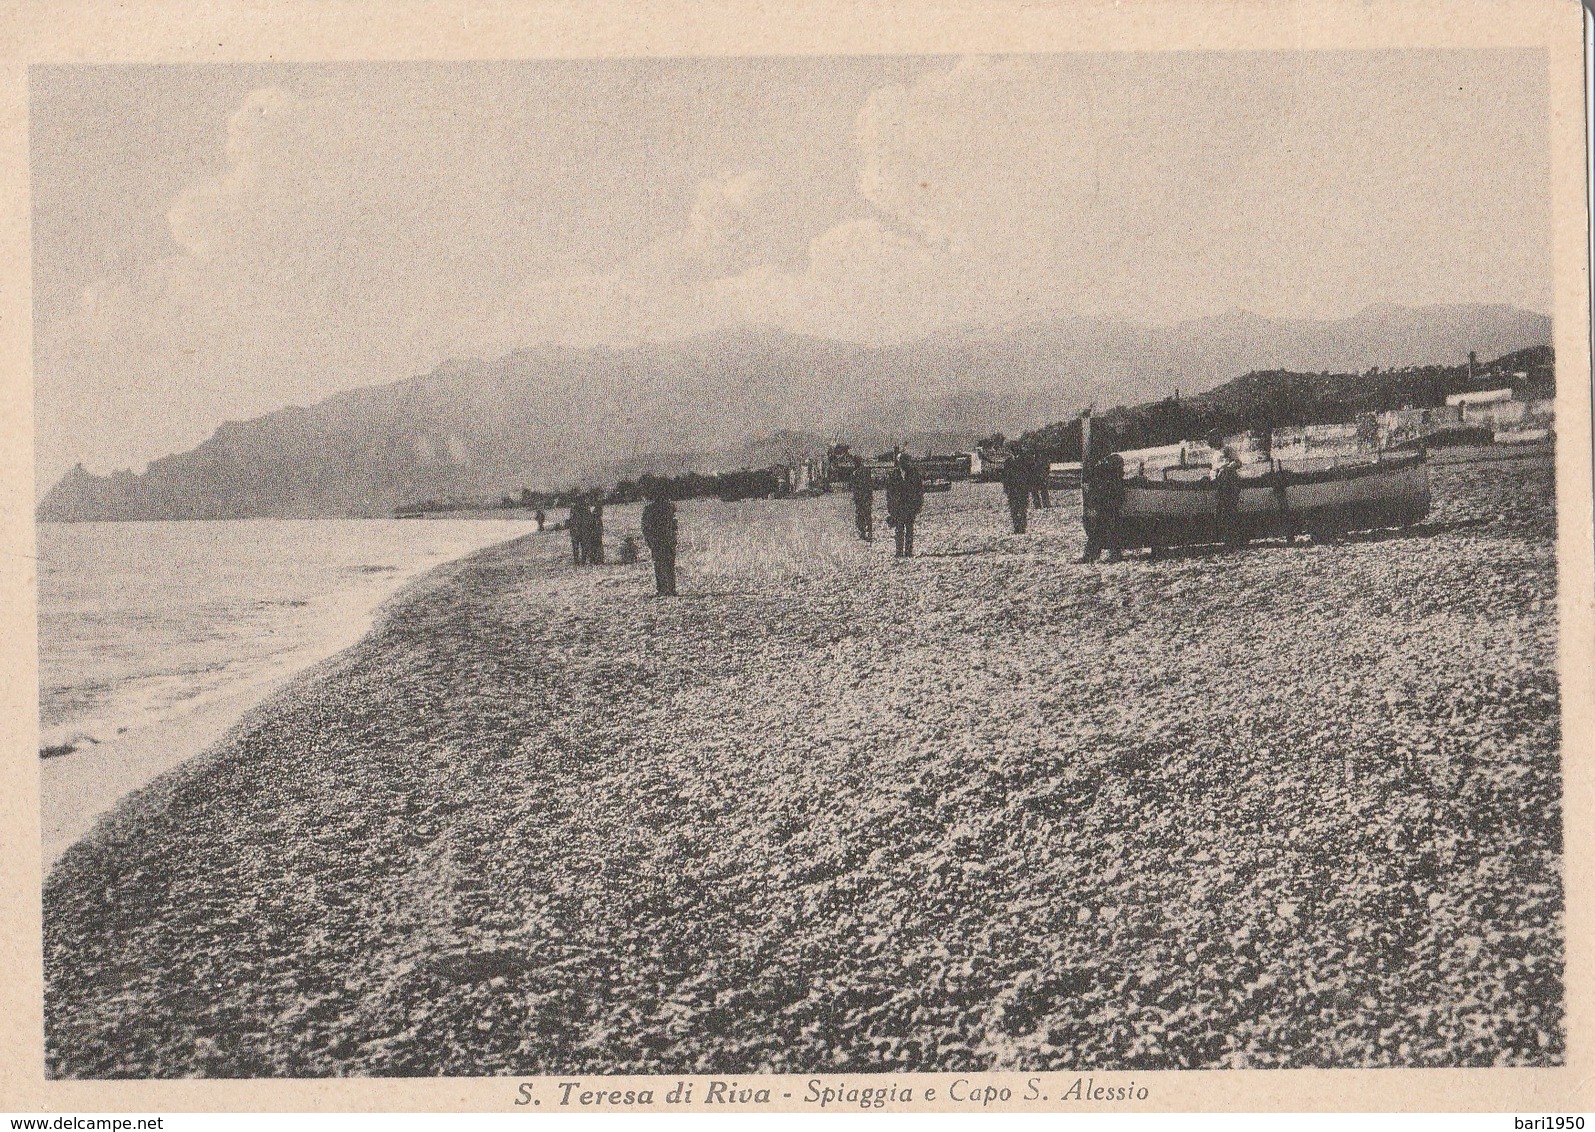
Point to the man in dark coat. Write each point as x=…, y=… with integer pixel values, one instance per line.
x=1103, y=496
x=864, y=503
x=1040, y=494
x=541, y=518
x=659, y=532
x=905, y=497
x=577, y=525
x=1016, y=486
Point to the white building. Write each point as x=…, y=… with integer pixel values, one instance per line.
x=1466, y=401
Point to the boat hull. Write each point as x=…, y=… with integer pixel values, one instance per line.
x=1279, y=503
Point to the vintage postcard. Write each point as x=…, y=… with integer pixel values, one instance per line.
x=860, y=557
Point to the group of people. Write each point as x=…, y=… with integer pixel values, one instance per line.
x=1102, y=492
x=1024, y=484
x=905, y=499
x=586, y=528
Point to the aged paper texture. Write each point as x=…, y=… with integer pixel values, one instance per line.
x=821, y=557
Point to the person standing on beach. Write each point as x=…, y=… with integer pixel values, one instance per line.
x=659, y=532
x=595, y=532
x=1226, y=473
x=905, y=497
x=541, y=519
x=1016, y=486
x=1036, y=466
x=576, y=524
x=1103, y=497
x=864, y=503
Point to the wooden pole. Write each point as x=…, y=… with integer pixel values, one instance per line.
x=1085, y=454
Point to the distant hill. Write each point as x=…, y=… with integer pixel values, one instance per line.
x=551, y=416
x=1282, y=398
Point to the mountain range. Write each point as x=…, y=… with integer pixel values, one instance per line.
x=551, y=416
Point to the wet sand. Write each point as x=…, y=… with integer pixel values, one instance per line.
x=831, y=811
x=78, y=787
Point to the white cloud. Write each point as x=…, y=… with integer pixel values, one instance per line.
x=722, y=231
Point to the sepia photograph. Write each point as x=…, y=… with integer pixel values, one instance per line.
x=828, y=565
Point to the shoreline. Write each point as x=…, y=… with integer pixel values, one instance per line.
x=77, y=790
x=80, y=788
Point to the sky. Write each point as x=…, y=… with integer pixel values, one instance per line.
x=212, y=243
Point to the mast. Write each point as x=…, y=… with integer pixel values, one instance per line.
x=1085, y=452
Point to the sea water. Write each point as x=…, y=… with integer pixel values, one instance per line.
x=141, y=623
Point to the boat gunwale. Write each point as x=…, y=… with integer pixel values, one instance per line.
x=1284, y=477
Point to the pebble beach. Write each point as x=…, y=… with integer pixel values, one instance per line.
x=984, y=809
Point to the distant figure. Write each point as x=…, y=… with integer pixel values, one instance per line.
x=629, y=551
x=1016, y=486
x=577, y=525
x=905, y=496
x=541, y=519
x=1367, y=432
x=1103, y=496
x=864, y=503
x=659, y=532
x=1226, y=473
x=1040, y=494
x=595, y=533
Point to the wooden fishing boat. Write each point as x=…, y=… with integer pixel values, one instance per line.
x=1321, y=498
